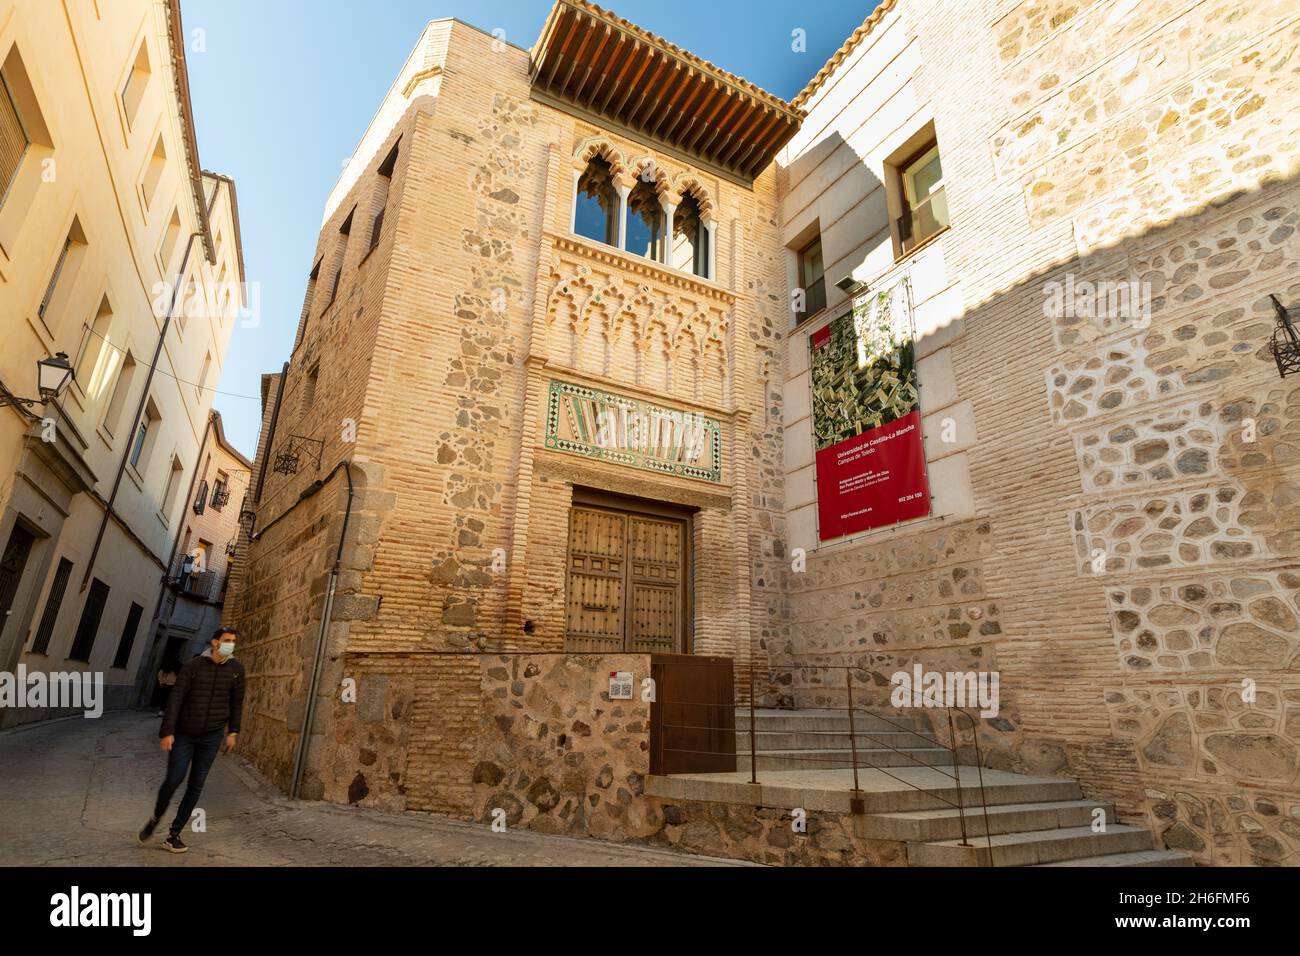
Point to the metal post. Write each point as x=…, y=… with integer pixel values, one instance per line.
x=856, y=803
x=961, y=812
x=753, y=726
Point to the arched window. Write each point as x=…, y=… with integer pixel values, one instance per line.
x=645, y=220
x=690, y=248
x=596, y=204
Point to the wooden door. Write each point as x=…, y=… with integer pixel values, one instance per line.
x=626, y=582
x=597, y=574
x=12, y=565
x=654, y=585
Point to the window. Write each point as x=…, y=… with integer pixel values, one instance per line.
x=309, y=390
x=64, y=273
x=201, y=498
x=811, y=280
x=172, y=488
x=121, y=391
x=220, y=491
x=88, y=627
x=690, y=246
x=141, y=436
x=13, y=136
x=340, y=255
x=95, y=357
x=153, y=172
x=145, y=437
x=595, y=214
x=24, y=137
x=381, y=200
x=50, y=616
x=171, y=239
x=307, y=301
x=645, y=220
x=123, y=655
x=925, y=208
x=136, y=81
x=202, y=384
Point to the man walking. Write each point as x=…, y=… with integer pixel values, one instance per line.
x=204, y=706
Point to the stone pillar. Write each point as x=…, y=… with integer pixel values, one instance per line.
x=573, y=210
x=621, y=239
x=670, y=209
x=711, y=231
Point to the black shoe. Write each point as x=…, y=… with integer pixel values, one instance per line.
x=173, y=844
x=146, y=831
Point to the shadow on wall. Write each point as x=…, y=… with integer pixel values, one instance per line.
x=829, y=169
x=1131, y=571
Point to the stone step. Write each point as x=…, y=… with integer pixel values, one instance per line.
x=1031, y=847
x=843, y=759
x=888, y=790
x=943, y=796
x=1136, y=858
x=920, y=826
x=793, y=721
x=769, y=740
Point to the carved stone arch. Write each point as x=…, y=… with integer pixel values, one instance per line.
x=692, y=327
x=662, y=179
x=608, y=301
x=688, y=183
x=604, y=148
x=603, y=307
x=658, y=350
x=714, y=363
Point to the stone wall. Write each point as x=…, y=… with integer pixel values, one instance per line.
x=1129, y=566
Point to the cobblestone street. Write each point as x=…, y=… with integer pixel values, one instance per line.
x=74, y=792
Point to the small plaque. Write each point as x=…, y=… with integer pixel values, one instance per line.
x=620, y=685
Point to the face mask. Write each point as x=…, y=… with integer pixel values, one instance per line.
x=226, y=648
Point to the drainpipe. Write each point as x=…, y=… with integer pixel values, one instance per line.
x=304, y=737
x=135, y=422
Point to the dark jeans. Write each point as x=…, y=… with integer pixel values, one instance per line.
x=193, y=755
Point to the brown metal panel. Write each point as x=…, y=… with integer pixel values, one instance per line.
x=693, y=715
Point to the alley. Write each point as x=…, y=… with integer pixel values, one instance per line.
x=74, y=793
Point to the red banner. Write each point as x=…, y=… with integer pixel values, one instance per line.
x=874, y=479
x=866, y=417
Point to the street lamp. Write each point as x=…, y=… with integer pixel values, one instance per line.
x=1285, y=345
x=52, y=377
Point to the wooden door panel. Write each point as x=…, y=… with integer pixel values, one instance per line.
x=655, y=621
x=594, y=602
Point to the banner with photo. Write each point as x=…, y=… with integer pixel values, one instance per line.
x=867, y=418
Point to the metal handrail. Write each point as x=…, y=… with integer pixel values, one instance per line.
x=857, y=802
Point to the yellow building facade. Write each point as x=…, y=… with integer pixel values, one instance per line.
x=103, y=204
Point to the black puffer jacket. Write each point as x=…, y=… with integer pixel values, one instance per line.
x=207, y=697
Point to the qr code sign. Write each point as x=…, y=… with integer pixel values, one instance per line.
x=620, y=685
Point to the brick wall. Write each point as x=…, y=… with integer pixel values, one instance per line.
x=1128, y=567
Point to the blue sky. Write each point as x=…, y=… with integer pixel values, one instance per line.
x=283, y=89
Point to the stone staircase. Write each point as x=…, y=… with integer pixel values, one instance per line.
x=819, y=740
x=1031, y=821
